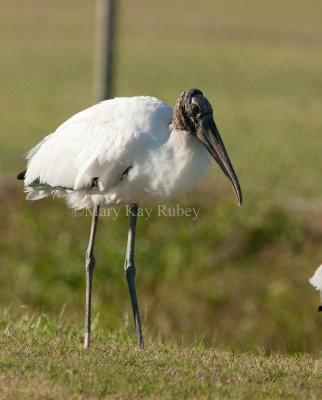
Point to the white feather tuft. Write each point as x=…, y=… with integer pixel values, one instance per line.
x=35, y=194
x=316, y=279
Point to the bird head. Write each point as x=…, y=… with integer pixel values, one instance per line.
x=193, y=113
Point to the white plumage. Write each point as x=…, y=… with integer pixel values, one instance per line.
x=123, y=151
x=103, y=141
x=316, y=279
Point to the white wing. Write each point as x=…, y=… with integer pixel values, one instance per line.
x=101, y=141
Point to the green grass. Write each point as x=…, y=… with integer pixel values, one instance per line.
x=43, y=358
x=236, y=278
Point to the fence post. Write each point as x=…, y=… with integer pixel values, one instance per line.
x=104, y=26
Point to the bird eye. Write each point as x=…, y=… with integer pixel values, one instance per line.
x=195, y=109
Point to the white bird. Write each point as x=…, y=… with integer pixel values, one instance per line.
x=124, y=151
x=316, y=281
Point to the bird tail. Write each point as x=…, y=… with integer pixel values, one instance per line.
x=38, y=190
x=21, y=175
x=44, y=186
x=39, y=185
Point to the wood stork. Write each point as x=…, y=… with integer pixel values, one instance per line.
x=316, y=281
x=124, y=151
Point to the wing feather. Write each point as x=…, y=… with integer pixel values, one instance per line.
x=98, y=142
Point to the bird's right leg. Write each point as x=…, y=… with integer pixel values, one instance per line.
x=89, y=267
x=130, y=273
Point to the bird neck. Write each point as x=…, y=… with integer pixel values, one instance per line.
x=189, y=160
x=183, y=140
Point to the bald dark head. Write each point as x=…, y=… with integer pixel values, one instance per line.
x=193, y=114
x=190, y=107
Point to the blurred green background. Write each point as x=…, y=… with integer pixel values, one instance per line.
x=234, y=277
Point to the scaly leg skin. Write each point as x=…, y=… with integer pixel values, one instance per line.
x=130, y=273
x=89, y=267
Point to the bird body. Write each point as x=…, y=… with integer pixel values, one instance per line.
x=128, y=145
x=120, y=152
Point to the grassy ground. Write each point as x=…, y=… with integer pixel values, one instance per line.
x=43, y=359
x=233, y=279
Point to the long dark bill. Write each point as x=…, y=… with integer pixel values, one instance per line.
x=210, y=137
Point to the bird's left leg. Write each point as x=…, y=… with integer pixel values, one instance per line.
x=130, y=273
x=89, y=267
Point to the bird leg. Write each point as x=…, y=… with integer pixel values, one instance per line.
x=89, y=267
x=130, y=273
